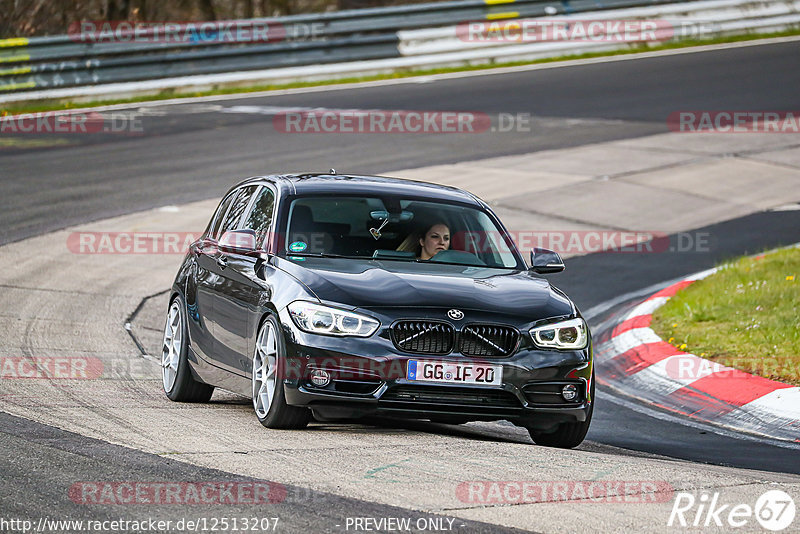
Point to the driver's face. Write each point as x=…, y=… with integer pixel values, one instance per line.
x=436, y=240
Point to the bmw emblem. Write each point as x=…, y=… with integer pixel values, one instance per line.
x=455, y=315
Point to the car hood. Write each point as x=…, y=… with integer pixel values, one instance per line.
x=379, y=283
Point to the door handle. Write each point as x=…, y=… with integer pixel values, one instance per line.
x=222, y=261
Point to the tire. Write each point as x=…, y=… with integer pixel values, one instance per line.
x=269, y=399
x=176, y=377
x=567, y=435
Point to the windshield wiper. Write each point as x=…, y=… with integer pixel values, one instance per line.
x=464, y=264
x=323, y=255
x=392, y=258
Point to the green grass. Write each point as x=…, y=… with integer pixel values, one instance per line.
x=62, y=104
x=744, y=316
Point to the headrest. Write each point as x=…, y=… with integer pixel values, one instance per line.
x=302, y=215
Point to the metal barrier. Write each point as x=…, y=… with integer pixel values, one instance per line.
x=353, y=35
x=353, y=41
x=673, y=22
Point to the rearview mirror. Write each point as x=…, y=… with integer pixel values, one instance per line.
x=382, y=215
x=545, y=261
x=239, y=241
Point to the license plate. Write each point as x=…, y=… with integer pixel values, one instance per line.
x=454, y=373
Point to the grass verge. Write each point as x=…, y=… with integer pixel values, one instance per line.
x=62, y=104
x=743, y=316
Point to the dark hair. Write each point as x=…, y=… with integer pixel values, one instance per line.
x=429, y=226
x=411, y=243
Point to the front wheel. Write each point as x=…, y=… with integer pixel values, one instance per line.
x=176, y=377
x=567, y=435
x=269, y=400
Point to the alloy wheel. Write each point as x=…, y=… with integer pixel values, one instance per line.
x=171, y=348
x=264, y=370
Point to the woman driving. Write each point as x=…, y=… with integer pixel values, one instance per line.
x=434, y=240
x=426, y=244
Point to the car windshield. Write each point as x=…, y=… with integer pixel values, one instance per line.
x=396, y=229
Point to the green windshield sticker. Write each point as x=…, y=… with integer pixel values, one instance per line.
x=298, y=246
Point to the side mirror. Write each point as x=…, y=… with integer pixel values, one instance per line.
x=544, y=261
x=238, y=241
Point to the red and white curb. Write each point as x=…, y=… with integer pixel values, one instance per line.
x=638, y=363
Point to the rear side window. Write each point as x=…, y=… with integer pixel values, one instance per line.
x=235, y=212
x=220, y=215
x=260, y=216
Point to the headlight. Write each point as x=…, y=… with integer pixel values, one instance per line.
x=571, y=334
x=318, y=319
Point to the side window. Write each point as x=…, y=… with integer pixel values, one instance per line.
x=219, y=215
x=239, y=204
x=260, y=216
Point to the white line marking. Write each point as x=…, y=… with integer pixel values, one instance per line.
x=647, y=307
x=633, y=338
x=783, y=401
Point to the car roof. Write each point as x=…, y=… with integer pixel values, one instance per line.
x=310, y=183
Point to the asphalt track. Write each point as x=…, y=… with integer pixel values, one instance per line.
x=28, y=491
x=198, y=154
x=188, y=154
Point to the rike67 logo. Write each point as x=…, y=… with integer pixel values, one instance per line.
x=774, y=510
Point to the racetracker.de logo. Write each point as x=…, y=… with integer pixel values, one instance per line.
x=734, y=121
x=560, y=30
x=181, y=493
x=591, y=491
x=565, y=241
x=71, y=122
x=690, y=367
x=178, y=32
x=130, y=242
x=360, y=121
x=51, y=367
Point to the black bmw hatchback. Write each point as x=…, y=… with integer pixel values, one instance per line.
x=339, y=296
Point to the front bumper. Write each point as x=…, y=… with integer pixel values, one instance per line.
x=369, y=378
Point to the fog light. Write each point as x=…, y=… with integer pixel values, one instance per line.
x=569, y=392
x=320, y=378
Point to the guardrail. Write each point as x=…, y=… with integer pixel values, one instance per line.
x=671, y=22
x=353, y=35
x=378, y=38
